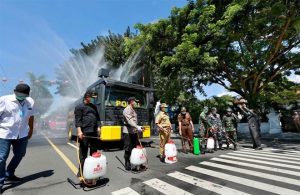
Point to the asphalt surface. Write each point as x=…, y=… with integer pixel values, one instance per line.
x=245, y=171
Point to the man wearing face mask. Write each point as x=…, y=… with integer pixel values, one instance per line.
x=130, y=131
x=204, y=126
x=87, y=123
x=164, y=125
x=215, y=119
x=186, y=129
x=16, y=127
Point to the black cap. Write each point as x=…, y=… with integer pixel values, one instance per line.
x=132, y=99
x=88, y=93
x=22, y=90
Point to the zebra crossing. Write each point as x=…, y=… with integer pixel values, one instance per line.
x=269, y=171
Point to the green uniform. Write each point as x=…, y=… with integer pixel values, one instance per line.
x=204, y=124
x=229, y=122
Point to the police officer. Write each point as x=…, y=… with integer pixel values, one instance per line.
x=130, y=131
x=186, y=129
x=253, y=122
x=204, y=127
x=229, y=122
x=163, y=123
x=215, y=120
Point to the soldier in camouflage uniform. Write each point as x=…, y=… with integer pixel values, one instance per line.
x=163, y=123
x=204, y=126
x=229, y=122
x=215, y=120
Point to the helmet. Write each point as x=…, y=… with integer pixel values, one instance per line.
x=229, y=110
x=183, y=109
x=213, y=108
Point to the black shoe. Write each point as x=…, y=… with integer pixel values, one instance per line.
x=258, y=148
x=127, y=165
x=221, y=147
x=14, y=178
x=162, y=159
x=142, y=167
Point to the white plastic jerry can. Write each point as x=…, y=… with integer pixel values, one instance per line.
x=138, y=156
x=94, y=166
x=170, y=152
x=210, y=143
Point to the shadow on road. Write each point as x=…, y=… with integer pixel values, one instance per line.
x=28, y=178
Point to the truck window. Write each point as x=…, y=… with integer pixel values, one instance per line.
x=117, y=97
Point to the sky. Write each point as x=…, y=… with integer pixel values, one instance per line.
x=36, y=35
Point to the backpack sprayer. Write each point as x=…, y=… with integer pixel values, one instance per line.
x=138, y=158
x=94, y=168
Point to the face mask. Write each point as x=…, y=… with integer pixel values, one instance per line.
x=183, y=113
x=20, y=98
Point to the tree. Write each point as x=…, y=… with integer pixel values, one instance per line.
x=40, y=93
x=243, y=45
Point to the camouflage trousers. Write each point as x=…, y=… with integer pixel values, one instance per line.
x=231, y=136
x=164, y=137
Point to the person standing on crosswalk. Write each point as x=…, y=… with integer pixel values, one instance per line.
x=186, y=129
x=204, y=126
x=164, y=125
x=229, y=121
x=253, y=122
x=215, y=120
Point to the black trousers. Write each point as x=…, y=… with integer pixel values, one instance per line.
x=84, y=146
x=254, y=128
x=130, y=142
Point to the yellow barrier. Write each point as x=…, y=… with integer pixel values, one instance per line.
x=146, y=132
x=111, y=133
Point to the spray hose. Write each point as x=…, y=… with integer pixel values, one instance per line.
x=142, y=150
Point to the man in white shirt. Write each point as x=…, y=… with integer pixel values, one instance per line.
x=16, y=127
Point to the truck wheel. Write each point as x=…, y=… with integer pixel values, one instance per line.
x=71, y=137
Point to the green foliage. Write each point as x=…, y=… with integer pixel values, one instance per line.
x=243, y=45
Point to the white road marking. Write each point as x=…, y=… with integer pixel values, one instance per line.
x=261, y=161
x=254, y=173
x=165, y=188
x=243, y=181
x=265, y=158
x=270, y=152
x=267, y=168
x=275, y=156
x=213, y=187
x=125, y=191
x=72, y=145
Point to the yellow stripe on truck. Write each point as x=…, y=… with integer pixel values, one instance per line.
x=146, y=132
x=111, y=133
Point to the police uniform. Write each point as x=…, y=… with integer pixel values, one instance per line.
x=229, y=121
x=129, y=133
x=163, y=120
x=186, y=130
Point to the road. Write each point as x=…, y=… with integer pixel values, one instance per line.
x=50, y=160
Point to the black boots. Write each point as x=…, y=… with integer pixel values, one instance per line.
x=127, y=165
x=221, y=147
x=234, y=146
